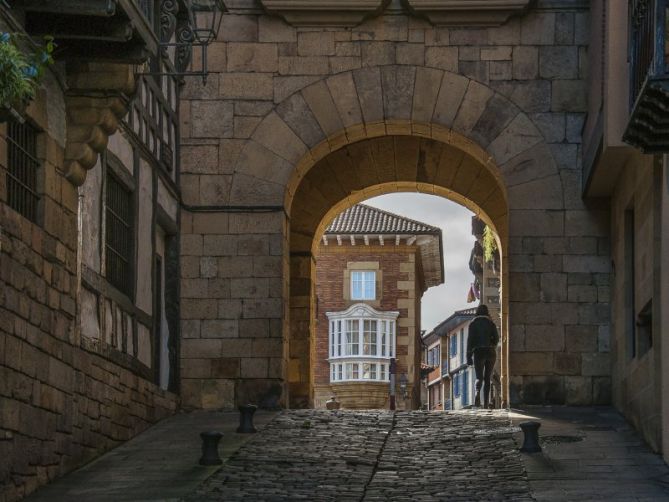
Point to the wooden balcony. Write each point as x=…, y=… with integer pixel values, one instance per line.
x=648, y=126
x=114, y=31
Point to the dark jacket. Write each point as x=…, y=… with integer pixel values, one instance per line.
x=482, y=333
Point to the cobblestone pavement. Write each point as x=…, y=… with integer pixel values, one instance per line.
x=374, y=455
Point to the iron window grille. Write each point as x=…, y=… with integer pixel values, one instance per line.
x=118, y=234
x=22, y=169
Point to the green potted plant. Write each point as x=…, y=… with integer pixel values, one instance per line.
x=20, y=73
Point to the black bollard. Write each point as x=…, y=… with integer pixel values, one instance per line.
x=531, y=441
x=246, y=412
x=210, y=441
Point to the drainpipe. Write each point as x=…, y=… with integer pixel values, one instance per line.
x=392, y=370
x=80, y=247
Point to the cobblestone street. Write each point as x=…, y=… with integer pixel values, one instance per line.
x=374, y=455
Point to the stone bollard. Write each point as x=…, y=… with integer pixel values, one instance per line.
x=210, y=441
x=332, y=403
x=246, y=412
x=531, y=440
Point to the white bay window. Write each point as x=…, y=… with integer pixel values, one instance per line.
x=362, y=342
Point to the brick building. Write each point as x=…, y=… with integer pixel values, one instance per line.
x=372, y=270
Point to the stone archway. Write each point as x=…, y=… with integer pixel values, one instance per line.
x=442, y=133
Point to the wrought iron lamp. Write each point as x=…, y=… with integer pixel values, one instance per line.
x=206, y=17
x=193, y=23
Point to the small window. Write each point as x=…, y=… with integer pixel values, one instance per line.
x=118, y=242
x=454, y=346
x=363, y=285
x=22, y=168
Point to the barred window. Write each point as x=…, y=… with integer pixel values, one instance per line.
x=118, y=242
x=22, y=168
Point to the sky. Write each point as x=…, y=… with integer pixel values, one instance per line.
x=439, y=302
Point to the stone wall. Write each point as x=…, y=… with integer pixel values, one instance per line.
x=399, y=288
x=63, y=400
x=636, y=381
x=283, y=102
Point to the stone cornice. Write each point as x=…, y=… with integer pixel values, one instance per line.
x=344, y=13
x=467, y=12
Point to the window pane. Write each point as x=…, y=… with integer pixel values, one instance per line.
x=366, y=371
x=340, y=371
x=352, y=338
x=383, y=372
x=369, y=338
x=356, y=373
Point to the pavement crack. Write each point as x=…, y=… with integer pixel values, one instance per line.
x=378, y=457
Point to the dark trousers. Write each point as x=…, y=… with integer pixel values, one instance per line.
x=484, y=363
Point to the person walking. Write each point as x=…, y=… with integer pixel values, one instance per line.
x=482, y=352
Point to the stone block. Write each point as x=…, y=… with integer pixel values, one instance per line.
x=269, y=347
x=586, y=294
x=531, y=363
x=582, y=338
x=274, y=29
x=499, y=53
x=567, y=364
x=220, y=329
x=190, y=328
x=235, y=266
x=319, y=100
x=345, y=96
x=451, y=94
x=296, y=114
x=524, y=287
x=598, y=364
x=500, y=70
x=538, y=28
x=558, y=62
x=191, y=245
x=198, y=309
x=398, y=84
x=229, y=309
x=316, y=43
x=544, y=338
x=306, y=65
x=214, y=189
x=239, y=28
x=519, y=136
x=217, y=394
x=368, y=82
x=377, y=53
x=537, y=223
x=551, y=125
x=275, y=135
x=601, y=391
x=569, y=96
x=262, y=308
x=254, y=328
x=473, y=105
x=255, y=367
x=586, y=264
x=343, y=64
x=564, y=28
x=468, y=36
x=252, y=57
x=411, y=54
x=212, y=119
x=498, y=113
x=578, y=390
x=532, y=96
x=225, y=367
x=246, y=86
x=553, y=287
x=286, y=86
x=475, y=70
x=445, y=58
x=236, y=347
x=199, y=159
x=249, y=288
x=194, y=288
x=210, y=224
x=201, y=348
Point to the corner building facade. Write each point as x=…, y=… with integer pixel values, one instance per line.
x=310, y=110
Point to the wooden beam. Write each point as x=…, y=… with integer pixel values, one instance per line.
x=338, y=240
x=366, y=239
x=381, y=239
x=325, y=239
x=352, y=240
x=105, y=8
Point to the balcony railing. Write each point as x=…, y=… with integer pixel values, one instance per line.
x=648, y=127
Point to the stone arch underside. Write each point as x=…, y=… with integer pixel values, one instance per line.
x=336, y=141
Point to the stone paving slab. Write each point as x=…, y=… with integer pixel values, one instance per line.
x=374, y=455
x=159, y=464
x=591, y=454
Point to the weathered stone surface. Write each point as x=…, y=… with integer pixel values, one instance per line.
x=212, y=119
